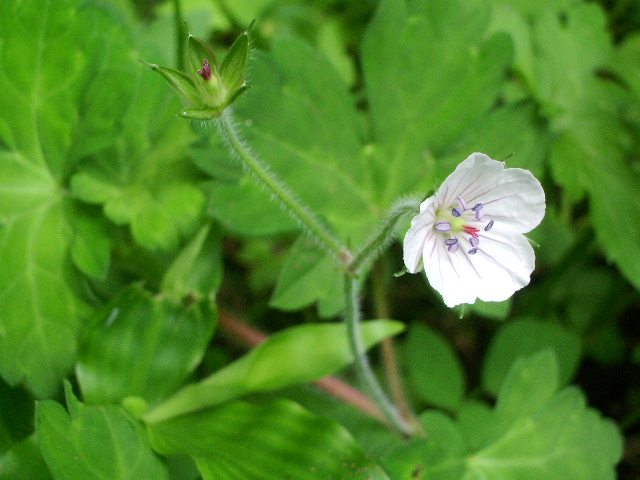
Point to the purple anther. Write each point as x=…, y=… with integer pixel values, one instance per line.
x=453, y=248
x=443, y=226
x=474, y=241
x=455, y=212
x=450, y=241
x=462, y=204
x=479, y=214
x=205, y=71
x=473, y=251
x=488, y=227
x=477, y=207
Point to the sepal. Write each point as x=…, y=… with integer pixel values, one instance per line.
x=207, y=86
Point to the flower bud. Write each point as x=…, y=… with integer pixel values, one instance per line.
x=207, y=86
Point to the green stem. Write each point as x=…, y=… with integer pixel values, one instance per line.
x=181, y=35
x=389, y=360
x=352, y=319
x=383, y=235
x=288, y=202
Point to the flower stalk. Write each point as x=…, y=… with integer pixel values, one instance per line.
x=352, y=320
x=383, y=234
x=289, y=203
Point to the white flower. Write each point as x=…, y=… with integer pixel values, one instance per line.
x=469, y=235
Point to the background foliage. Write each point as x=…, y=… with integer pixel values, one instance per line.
x=131, y=242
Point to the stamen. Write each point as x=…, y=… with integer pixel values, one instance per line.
x=453, y=248
x=456, y=212
x=479, y=214
x=474, y=241
x=462, y=204
x=489, y=225
x=473, y=251
x=477, y=207
x=450, y=241
x=443, y=226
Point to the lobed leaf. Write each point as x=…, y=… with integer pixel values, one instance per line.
x=533, y=432
x=55, y=59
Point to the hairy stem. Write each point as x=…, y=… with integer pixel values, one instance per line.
x=352, y=319
x=288, y=202
x=383, y=234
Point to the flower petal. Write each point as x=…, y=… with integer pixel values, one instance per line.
x=415, y=239
x=502, y=265
x=510, y=196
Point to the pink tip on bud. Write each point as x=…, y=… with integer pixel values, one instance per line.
x=205, y=71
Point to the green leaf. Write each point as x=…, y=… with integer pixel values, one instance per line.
x=255, y=214
x=624, y=62
x=427, y=83
x=438, y=457
x=304, y=126
x=434, y=368
x=91, y=247
x=142, y=346
x=523, y=338
x=299, y=354
x=280, y=438
x=534, y=432
x=568, y=48
x=94, y=442
x=529, y=384
x=542, y=434
x=197, y=270
x=24, y=461
x=55, y=60
x=145, y=181
x=590, y=157
x=309, y=276
x=512, y=132
x=374, y=437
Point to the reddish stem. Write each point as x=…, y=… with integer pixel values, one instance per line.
x=252, y=337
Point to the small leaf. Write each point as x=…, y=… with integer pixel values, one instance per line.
x=525, y=337
x=91, y=247
x=94, y=442
x=308, y=276
x=198, y=268
x=434, y=367
x=299, y=354
x=274, y=440
x=143, y=346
